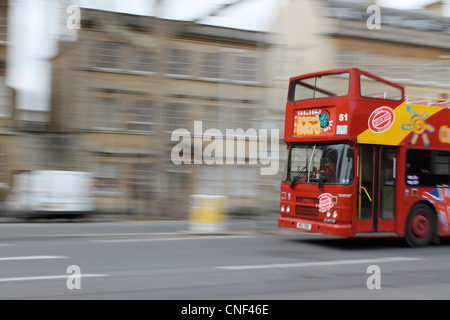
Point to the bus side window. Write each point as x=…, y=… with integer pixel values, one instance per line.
x=427, y=168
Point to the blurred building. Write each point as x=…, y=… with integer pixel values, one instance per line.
x=121, y=90
x=7, y=123
x=128, y=82
x=410, y=47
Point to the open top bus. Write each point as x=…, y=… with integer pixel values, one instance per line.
x=363, y=161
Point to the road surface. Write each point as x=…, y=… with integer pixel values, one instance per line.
x=163, y=260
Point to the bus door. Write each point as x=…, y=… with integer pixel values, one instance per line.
x=376, y=189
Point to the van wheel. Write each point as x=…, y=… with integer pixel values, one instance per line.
x=421, y=226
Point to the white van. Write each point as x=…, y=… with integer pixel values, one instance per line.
x=47, y=192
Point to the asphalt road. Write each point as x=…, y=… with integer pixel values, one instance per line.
x=163, y=260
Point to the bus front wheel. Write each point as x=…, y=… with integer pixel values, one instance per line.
x=421, y=226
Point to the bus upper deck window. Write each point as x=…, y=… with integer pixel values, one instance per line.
x=373, y=88
x=324, y=86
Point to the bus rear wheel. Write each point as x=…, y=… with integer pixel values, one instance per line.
x=420, y=226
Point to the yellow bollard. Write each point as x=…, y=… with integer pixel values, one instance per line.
x=207, y=213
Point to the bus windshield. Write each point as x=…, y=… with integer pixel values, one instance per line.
x=306, y=162
x=324, y=86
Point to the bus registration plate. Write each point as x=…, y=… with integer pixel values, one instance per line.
x=305, y=226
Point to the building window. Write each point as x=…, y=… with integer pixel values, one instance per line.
x=3, y=167
x=211, y=66
x=3, y=24
x=141, y=116
x=214, y=117
x=142, y=180
x=243, y=181
x=234, y=181
x=180, y=62
x=106, y=177
x=211, y=180
x=178, y=116
x=5, y=98
x=397, y=68
x=143, y=61
x=108, y=55
x=241, y=118
x=113, y=114
x=247, y=69
x=107, y=114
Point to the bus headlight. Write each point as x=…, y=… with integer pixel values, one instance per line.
x=282, y=208
x=288, y=209
x=335, y=214
x=328, y=213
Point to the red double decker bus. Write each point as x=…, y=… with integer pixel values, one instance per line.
x=363, y=161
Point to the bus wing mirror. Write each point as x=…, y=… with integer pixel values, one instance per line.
x=321, y=174
x=321, y=178
x=350, y=152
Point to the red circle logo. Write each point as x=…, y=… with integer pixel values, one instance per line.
x=381, y=119
x=325, y=202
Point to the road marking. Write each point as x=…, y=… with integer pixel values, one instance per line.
x=32, y=258
x=108, y=234
x=318, y=263
x=55, y=277
x=182, y=238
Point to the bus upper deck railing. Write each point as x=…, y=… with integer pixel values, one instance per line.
x=428, y=97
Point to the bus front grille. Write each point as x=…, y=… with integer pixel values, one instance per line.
x=307, y=211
